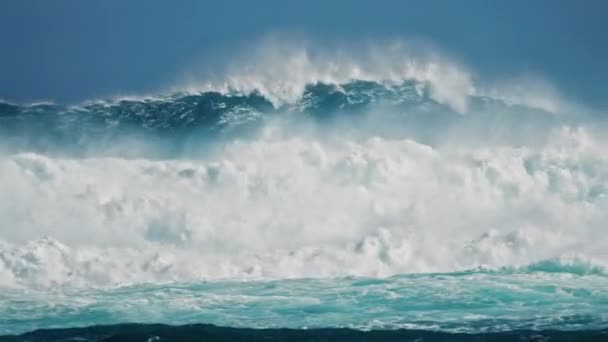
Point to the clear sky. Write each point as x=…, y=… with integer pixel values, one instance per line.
x=70, y=50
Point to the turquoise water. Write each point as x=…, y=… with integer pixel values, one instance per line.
x=472, y=302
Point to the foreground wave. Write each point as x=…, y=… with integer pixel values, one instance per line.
x=203, y=332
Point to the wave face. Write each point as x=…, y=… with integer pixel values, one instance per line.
x=174, y=120
x=242, y=206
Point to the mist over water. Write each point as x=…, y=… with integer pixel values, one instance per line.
x=322, y=165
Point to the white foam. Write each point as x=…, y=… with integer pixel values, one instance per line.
x=302, y=207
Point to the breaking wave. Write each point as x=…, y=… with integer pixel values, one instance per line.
x=324, y=167
x=360, y=178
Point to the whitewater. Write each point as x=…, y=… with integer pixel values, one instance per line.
x=308, y=188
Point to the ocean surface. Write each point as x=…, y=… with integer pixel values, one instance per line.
x=316, y=198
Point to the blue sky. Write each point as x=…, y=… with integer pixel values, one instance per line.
x=71, y=50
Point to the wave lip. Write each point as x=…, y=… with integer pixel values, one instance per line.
x=281, y=70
